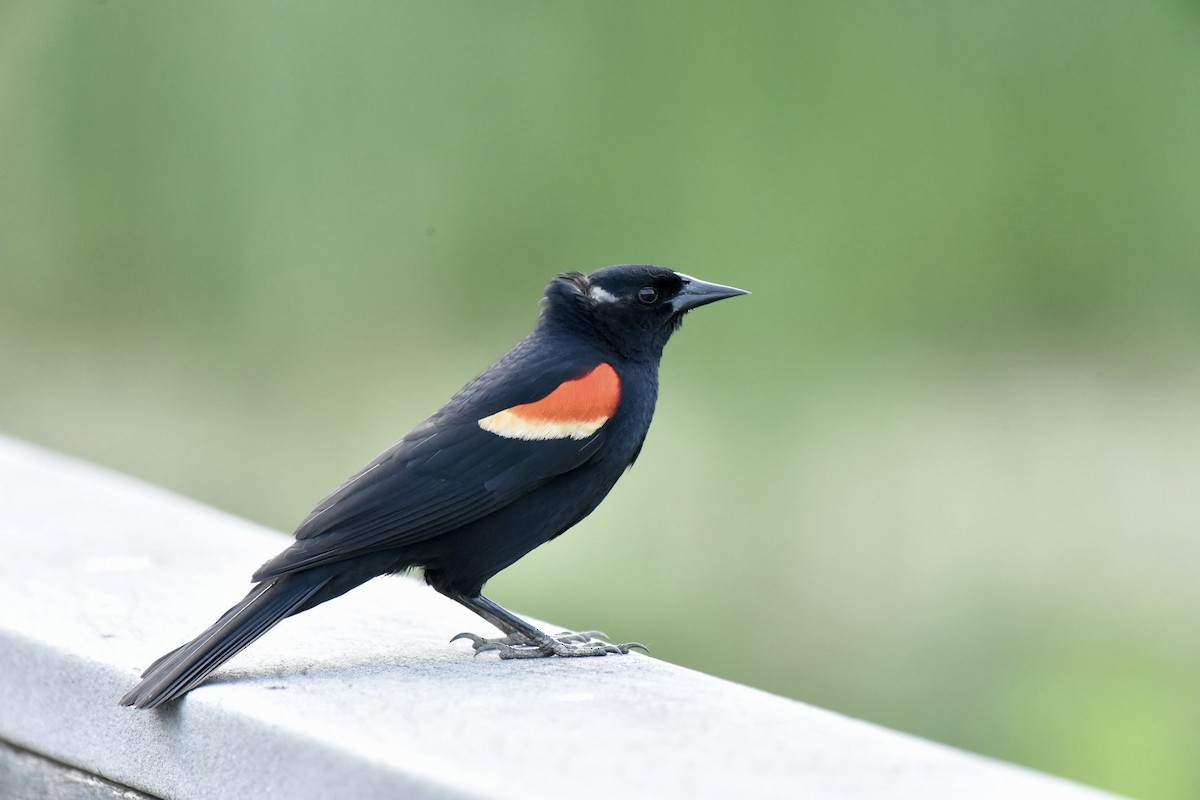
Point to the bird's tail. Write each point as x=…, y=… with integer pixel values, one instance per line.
x=183, y=668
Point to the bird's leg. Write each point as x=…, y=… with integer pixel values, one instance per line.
x=522, y=640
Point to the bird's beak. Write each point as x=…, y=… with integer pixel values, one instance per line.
x=696, y=292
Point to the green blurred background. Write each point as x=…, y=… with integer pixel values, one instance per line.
x=941, y=471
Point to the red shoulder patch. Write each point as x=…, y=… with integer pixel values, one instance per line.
x=575, y=409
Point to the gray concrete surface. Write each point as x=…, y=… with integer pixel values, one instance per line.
x=364, y=697
x=27, y=776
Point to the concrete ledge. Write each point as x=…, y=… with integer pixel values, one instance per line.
x=28, y=776
x=364, y=697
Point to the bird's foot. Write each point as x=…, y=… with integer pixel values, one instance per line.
x=566, y=645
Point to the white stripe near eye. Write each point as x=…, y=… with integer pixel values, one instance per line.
x=602, y=296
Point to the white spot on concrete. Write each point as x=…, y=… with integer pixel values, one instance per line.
x=116, y=564
x=575, y=697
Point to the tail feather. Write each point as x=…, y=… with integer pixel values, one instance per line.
x=183, y=668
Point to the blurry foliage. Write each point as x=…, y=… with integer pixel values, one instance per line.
x=939, y=471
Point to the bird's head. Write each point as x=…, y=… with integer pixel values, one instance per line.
x=632, y=308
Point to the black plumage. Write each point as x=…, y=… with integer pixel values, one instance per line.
x=518, y=456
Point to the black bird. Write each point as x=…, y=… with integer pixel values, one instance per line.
x=522, y=453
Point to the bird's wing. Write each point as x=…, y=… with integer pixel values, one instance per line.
x=477, y=455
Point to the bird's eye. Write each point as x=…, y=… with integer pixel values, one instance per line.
x=647, y=294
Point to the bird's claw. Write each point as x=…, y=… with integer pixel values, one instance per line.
x=564, y=645
x=580, y=636
x=477, y=641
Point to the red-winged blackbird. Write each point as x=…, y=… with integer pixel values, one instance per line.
x=522, y=453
